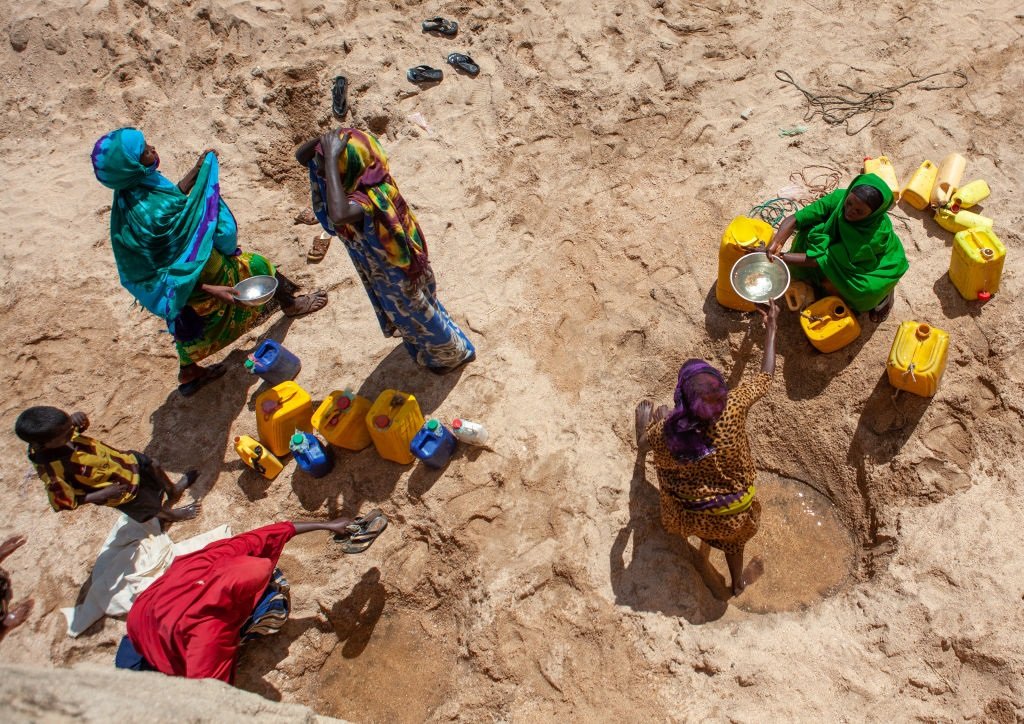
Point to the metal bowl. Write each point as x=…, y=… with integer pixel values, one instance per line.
x=758, y=279
x=256, y=291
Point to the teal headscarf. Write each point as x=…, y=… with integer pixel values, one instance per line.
x=161, y=237
x=863, y=259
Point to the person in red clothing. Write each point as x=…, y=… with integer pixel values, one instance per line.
x=189, y=622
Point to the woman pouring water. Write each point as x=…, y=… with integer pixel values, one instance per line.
x=176, y=248
x=845, y=245
x=702, y=454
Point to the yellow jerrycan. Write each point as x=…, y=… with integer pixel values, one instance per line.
x=951, y=171
x=393, y=421
x=961, y=220
x=917, y=358
x=976, y=265
x=883, y=168
x=918, y=191
x=829, y=324
x=341, y=419
x=741, y=233
x=280, y=411
x=798, y=295
x=969, y=195
x=257, y=457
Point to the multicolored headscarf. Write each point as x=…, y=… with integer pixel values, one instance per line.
x=686, y=426
x=161, y=237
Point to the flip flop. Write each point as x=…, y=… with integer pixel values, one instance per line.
x=363, y=532
x=339, y=97
x=448, y=28
x=318, y=251
x=463, y=62
x=213, y=372
x=880, y=313
x=424, y=74
x=307, y=303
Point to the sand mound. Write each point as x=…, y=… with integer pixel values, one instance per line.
x=573, y=196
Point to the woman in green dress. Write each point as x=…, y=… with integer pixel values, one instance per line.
x=176, y=248
x=845, y=245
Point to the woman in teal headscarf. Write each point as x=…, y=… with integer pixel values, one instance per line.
x=176, y=248
x=845, y=245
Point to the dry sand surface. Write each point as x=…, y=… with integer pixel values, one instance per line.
x=573, y=196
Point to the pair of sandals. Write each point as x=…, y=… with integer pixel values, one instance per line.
x=427, y=74
x=362, y=532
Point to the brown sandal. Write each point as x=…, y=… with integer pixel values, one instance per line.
x=318, y=251
x=307, y=217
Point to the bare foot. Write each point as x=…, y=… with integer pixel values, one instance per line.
x=182, y=485
x=185, y=512
x=18, y=614
x=306, y=304
x=642, y=418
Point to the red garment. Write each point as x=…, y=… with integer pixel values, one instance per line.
x=187, y=623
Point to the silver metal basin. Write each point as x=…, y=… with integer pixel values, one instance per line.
x=256, y=291
x=757, y=279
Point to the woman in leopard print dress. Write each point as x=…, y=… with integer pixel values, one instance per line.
x=702, y=455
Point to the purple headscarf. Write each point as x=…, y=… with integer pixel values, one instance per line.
x=686, y=425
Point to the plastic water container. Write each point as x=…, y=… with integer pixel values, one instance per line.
x=280, y=411
x=273, y=363
x=917, y=358
x=798, y=295
x=256, y=457
x=829, y=324
x=341, y=419
x=883, y=168
x=976, y=264
x=310, y=454
x=918, y=191
x=433, y=444
x=393, y=421
x=961, y=220
x=969, y=195
x=469, y=432
x=739, y=234
x=951, y=172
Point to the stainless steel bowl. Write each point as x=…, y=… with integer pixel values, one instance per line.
x=758, y=279
x=256, y=291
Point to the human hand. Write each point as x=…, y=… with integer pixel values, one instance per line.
x=11, y=544
x=80, y=421
x=331, y=144
x=769, y=313
x=225, y=294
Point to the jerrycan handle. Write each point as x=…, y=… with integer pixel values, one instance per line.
x=791, y=301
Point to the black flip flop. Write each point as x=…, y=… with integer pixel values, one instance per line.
x=464, y=63
x=213, y=372
x=424, y=74
x=339, y=97
x=448, y=28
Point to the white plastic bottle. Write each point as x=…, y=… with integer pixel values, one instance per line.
x=469, y=432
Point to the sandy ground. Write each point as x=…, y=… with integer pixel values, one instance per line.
x=573, y=196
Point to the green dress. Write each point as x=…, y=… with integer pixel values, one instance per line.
x=864, y=260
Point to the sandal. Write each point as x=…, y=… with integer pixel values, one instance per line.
x=307, y=304
x=881, y=312
x=339, y=97
x=318, y=251
x=464, y=63
x=448, y=28
x=424, y=74
x=211, y=373
x=363, y=531
x=307, y=217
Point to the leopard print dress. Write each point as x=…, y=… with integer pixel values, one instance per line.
x=730, y=469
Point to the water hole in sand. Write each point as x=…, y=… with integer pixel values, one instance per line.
x=402, y=675
x=805, y=552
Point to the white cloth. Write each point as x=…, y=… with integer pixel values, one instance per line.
x=131, y=558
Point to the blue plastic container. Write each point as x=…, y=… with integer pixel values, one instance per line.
x=433, y=444
x=310, y=454
x=273, y=363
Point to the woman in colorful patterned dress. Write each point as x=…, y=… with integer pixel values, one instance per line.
x=354, y=197
x=176, y=248
x=702, y=454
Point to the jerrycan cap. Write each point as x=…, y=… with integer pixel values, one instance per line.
x=237, y=439
x=984, y=296
x=457, y=423
x=987, y=253
x=432, y=425
x=923, y=331
x=381, y=421
x=298, y=438
x=343, y=403
x=249, y=364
